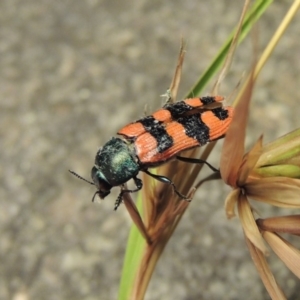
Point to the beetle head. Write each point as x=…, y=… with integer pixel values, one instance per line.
x=103, y=187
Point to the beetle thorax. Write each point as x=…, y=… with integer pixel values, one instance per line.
x=116, y=162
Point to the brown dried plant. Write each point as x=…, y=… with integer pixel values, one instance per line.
x=268, y=174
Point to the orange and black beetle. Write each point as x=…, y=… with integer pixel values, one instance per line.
x=155, y=139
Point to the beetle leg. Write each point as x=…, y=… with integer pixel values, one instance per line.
x=197, y=161
x=139, y=184
x=165, y=179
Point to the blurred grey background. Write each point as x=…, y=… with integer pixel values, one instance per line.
x=71, y=74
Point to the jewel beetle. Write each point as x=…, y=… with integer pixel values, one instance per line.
x=155, y=139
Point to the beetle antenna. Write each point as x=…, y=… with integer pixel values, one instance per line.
x=78, y=176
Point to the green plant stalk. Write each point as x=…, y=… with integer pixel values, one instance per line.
x=251, y=18
x=272, y=44
x=134, y=253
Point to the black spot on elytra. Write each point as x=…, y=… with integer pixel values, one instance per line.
x=207, y=100
x=195, y=128
x=158, y=131
x=220, y=113
x=177, y=109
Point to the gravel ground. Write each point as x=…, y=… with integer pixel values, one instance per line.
x=72, y=73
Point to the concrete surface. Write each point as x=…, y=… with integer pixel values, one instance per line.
x=72, y=73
